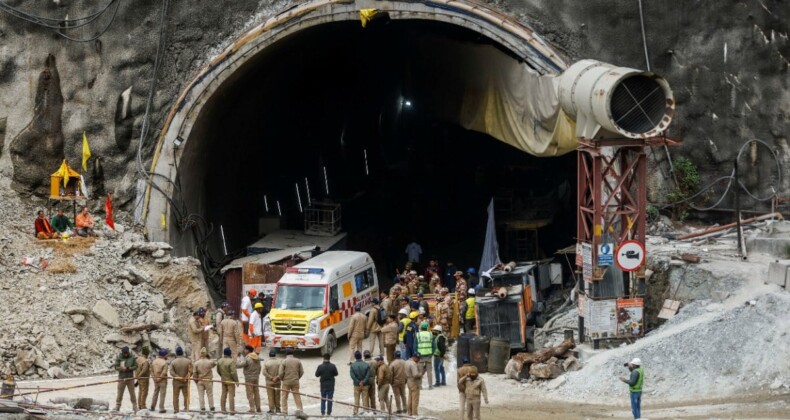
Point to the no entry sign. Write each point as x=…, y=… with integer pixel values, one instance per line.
x=630, y=256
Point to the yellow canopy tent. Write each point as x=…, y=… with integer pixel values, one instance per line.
x=65, y=182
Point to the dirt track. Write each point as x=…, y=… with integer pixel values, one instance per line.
x=508, y=399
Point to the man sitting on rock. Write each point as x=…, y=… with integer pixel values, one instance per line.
x=61, y=223
x=44, y=230
x=85, y=223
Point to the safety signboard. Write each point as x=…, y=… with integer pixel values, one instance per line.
x=630, y=256
x=605, y=254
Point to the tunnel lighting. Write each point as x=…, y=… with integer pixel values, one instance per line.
x=298, y=198
x=365, y=152
x=307, y=189
x=177, y=142
x=224, y=244
x=407, y=103
x=279, y=210
x=266, y=203
x=326, y=182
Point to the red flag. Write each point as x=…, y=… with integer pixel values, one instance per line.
x=108, y=212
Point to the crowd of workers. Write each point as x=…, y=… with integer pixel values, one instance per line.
x=409, y=335
x=61, y=226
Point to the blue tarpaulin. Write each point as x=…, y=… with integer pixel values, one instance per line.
x=491, y=248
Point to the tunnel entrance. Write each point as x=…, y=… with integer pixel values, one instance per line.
x=309, y=105
x=347, y=114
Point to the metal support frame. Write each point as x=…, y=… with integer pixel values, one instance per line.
x=612, y=195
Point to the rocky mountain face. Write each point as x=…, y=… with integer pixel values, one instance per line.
x=727, y=63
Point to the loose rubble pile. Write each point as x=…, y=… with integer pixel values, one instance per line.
x=729, y=336
x=67, y=322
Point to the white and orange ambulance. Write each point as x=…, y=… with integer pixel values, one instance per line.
x=314, y=300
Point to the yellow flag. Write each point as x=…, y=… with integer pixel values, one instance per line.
x=63, y=171
x=86, y=152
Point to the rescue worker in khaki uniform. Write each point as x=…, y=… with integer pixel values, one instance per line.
x=443, y=309
x=159, y=375
x=203, y=376
x=374, y=328
x=414, y=380
x=226, y=369
x=360, y=378
x=356, y=331
x=271, y=371
x=230, y=333
x=251, y=367
x=462, y=372
x=384, y=382
x=205, y=322
x=398, y=367
x=390, y=333
x=372, y=380
x=195, y=330
x=291, y=371
x=125, y=364
x=180, y=370
x=142, y=374
x=473, y=387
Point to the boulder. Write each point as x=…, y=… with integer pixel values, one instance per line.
x=78, y=318
x=50, y=348
x=165, y=340
x=55, y=372
x=23, y=361
x=159, y=253
x=545, y=371
x=127, y=286
x=556, y=383
x=182, y=286
x=512, y=369
x=570, y=364
x=106, y=314
x=81, y=310
x=163, y=261
x=112, y=338
x=41, y=362
x=154, y=317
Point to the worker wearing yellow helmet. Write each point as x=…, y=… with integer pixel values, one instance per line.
x=256, y=326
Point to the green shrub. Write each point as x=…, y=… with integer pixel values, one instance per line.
x=688, y=182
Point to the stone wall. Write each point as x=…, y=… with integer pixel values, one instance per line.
x=727, y=63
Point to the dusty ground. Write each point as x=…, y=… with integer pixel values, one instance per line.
x=508, y=399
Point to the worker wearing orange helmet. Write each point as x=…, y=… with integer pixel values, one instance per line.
x=246, y=313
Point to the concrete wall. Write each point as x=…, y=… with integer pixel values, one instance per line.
x=726, y=61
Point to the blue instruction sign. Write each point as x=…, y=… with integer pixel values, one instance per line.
x=605, y=254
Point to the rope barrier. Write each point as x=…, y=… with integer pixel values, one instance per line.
x=188, y=379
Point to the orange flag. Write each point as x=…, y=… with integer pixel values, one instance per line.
x=108, y=211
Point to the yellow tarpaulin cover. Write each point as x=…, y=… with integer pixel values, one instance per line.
x=365, y=15
x=483, y=89
x=66, y=172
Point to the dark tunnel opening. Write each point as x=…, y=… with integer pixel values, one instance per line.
x=354, y=103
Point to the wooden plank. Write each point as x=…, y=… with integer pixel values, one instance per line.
x=669, y=309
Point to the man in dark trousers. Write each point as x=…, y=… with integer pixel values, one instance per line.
x=125, y=364
x=326, y=372
x=360, y=377
x=635, y=383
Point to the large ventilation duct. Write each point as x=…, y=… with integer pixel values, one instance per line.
x=608, y=101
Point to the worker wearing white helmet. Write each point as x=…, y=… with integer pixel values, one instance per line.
x=635, y=383
x=439, y=351
x=468, y=311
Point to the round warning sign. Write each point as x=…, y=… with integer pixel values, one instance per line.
x=630, y=256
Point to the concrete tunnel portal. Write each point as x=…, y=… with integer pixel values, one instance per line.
x=361, y=106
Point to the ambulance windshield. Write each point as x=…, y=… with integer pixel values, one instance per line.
x=300, y=297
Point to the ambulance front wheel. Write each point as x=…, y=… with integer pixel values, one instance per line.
x=330, y=345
